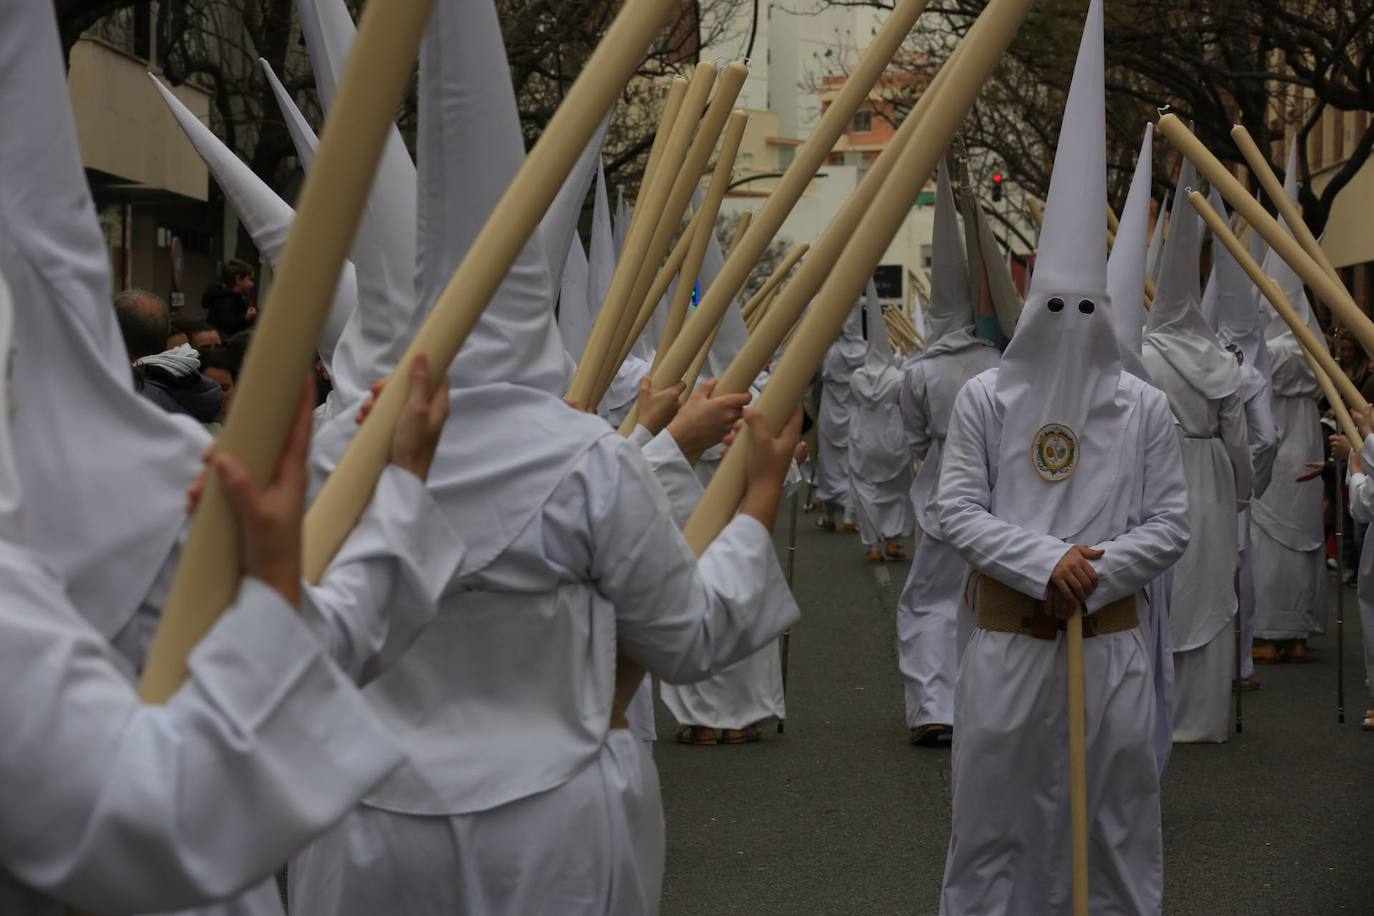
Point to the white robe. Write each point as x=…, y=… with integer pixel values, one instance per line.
x=1202, y=602
x=746, y=693
x=516, y=796
x=1287, y=532
x=832, y=435
x=114, y=806
x=880, y=470
x=1009, y=846
x=1362, y=510
x=928, y=612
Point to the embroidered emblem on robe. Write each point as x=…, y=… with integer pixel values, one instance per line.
x=1054, y=452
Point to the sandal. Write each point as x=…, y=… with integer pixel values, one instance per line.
x=1367, y=724
x=1264, y=653
x=697, y=736
x=1246, y=685
x=895, y=551
x=874, y=556
x=1295, y=651
x=932, y=734
x=741, y=735
x=850, y=527
x=825, y=524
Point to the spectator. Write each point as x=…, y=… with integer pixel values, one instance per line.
x=170, y=378
x=220, y=366
x=202, y=336
x=227, y=304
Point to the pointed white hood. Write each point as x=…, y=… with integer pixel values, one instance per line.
x=949, y=314
x=104, y=470
x=1176, y=329
x=847, y=352
x=303, y=137
x=1057, y=385
x=574, y=316
x=875, y=380
x=266, y=216
x=622, y=218
x=732, y=333
x=384, y=249
x=470, y=147
x=1238, y=318
x=1211, y=293
x=1126, y=266
x=559, y=224
x=1277, y=268
x=1156, y=256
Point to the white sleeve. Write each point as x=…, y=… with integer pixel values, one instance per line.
x=384, y=585
x=114, y=806
x=1235, y=438
x=681, y=617
x=673, y=472
x=1361, y=486
x=640, y=436
x=1012, y=555
x=912, y=399
x=1135, y=558
x=1263, y=433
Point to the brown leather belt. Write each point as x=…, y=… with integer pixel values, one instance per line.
x=1006, y=610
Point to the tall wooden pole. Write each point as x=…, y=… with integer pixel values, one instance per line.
x=979, y=54
x=806, y=161
x=298, y=303
x=643, y=227
x=1287, y=247
x=482, y=270
x=686, y=181
x=1078, y=757
x=1312, y=345
x=779, y=274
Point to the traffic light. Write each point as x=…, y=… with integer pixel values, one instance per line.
x=996, y=186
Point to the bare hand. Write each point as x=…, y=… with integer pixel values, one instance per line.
x=1314, y=470
x=270, y=515
x=766, y=468
x=704, y=421
x=1058, y=606
x=1074, y=577
x=421, y=422
x=1340, y=447
x=1364, y=420
x=657, y=408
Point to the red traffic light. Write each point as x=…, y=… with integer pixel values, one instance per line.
x=996, y=177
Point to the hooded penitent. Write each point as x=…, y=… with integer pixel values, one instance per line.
x=602, y=257
x=1126, y=266
x=108, y=467
x=266, y=216
x=949, y=313
x=1237, y=316
x=1056, y=389
x=303, y=138
x=509, y=377
x=1176, y=329
x=878, y=445
x=877, y=378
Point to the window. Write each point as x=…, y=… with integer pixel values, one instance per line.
x=926, y=259
x=863, y=121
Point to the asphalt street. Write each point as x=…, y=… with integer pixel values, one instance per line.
x=842, y=815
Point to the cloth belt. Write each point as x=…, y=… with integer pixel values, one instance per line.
x=1006, y=610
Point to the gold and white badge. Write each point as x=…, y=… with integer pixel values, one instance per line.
x=1054, y=452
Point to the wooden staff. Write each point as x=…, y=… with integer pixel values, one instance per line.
x=1314, y=346
x=815, y=270
x=671, y=268
x=327, y=215
x=643, y=226
x=1274, y=188
x=686, y=181
x=672, y=107
x=978, y=55
x=899, y=333
x=698, y=231
x=774, y=280
x=1078, y=757
x=1037, y=211
x=741, y=228
x=752, y=321
x=512, y=222
x=1113, y=224
x=1287, y=247
x=699, y=238
x=805, y=162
